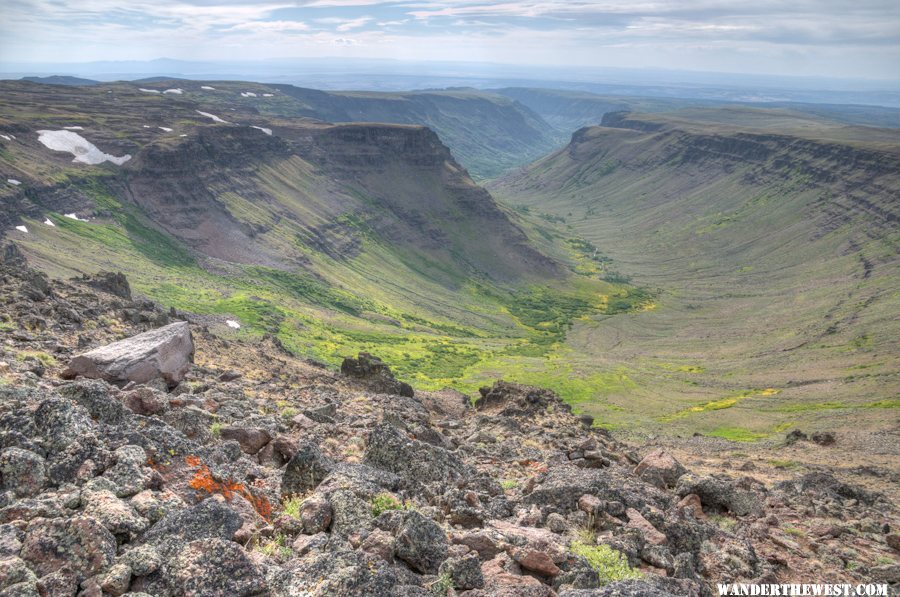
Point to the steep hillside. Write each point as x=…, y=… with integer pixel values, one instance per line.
x=332, y=238
x=773, y=242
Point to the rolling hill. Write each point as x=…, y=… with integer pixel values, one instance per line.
x=771, y=240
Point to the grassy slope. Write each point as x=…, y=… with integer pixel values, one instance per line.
x=777, y=272
x=419, y=308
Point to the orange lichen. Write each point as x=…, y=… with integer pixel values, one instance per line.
x=204, y=481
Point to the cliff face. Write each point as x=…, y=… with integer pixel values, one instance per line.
x=235, y=193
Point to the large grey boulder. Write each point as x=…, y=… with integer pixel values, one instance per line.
x=165, y=352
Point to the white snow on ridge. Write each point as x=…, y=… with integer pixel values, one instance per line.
x=83, y=150
x=265, y=130
x=165, y=128
x=74, y=128
x=268, y=95
x=248, y=94
x=213, y=116
x=146, y=126
x=6, y=137
x=14, y=182
x=233, y=324
x=22, y=229
x=74, y=217
x=49, y=223
x=207, y=87
x=148, y=90
x=174, y=91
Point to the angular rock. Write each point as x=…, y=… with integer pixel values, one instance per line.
x=650, y=533
x=166, y=352
x=80, y=543
x=113, y=283
x=535, y=561
x=305, y=471
x=660, y=468
x=210, y=519
x=250, y=439
x=375, y=374
x=421, y=543
x=315, y=515
x=22, y=472
x=215, y=567
x=464, y=572
x=391, y=450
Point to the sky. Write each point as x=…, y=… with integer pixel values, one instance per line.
x=822, y=38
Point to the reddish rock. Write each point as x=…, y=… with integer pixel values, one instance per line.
x=590, y=504
x=251, y=439
x=315, y=515
x=478, y=541
x=659, y=468
x=145, y=401
x=81, y=543
x=651, y=535
x=692, y=500
x=535, y=561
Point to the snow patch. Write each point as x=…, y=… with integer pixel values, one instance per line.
x=22, y=229
x=265, y=130
x=233, y=324
x=83, y=150
x=148, y=90
x=6, y=137
x=49, y=223
x=165, y=128
x=182, y=135
x=14, y=182
x=213, y=116
x=268, y=94
x=174, y=91
x=146, y=126
x=207, y=87
x=75, y=217
x=248, y=94
x=74, y=128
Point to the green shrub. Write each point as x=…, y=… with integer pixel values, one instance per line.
x=509, y=483
x=442, y=586
x=610, y=564
x=291, y=506
x=384, y=502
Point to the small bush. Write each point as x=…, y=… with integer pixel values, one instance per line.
x=216, y=429
x=609, y=564
x=442, y=586
x=275, y=547
x=291, y=506
x=384, y=502
x=509, y=483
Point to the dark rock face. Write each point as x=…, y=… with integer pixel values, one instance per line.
x=719, y=492
x=113, y=283
x=166, y=353
x=213, y=567
x=210, y=519
x=421, y=543
x=390, y=450
x=375, y=374
x=80, y=544
x=305, y=471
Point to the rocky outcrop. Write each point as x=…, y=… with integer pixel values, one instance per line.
x=165, y=353
x=375, y=374
x=222, y=488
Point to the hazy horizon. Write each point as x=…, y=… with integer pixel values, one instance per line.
x=835, y=39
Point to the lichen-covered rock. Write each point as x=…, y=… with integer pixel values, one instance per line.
x=305, y=471
x=391, y=450
x=22, y=472
x=315, y=515
x=719, y=492
x=80, y=543
x=166, y=352
x=94, y=395
x=210, y=519
x=421, y=543
x=464, y=572
x=216, y=567
x=117, y=516
x=251, y=439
